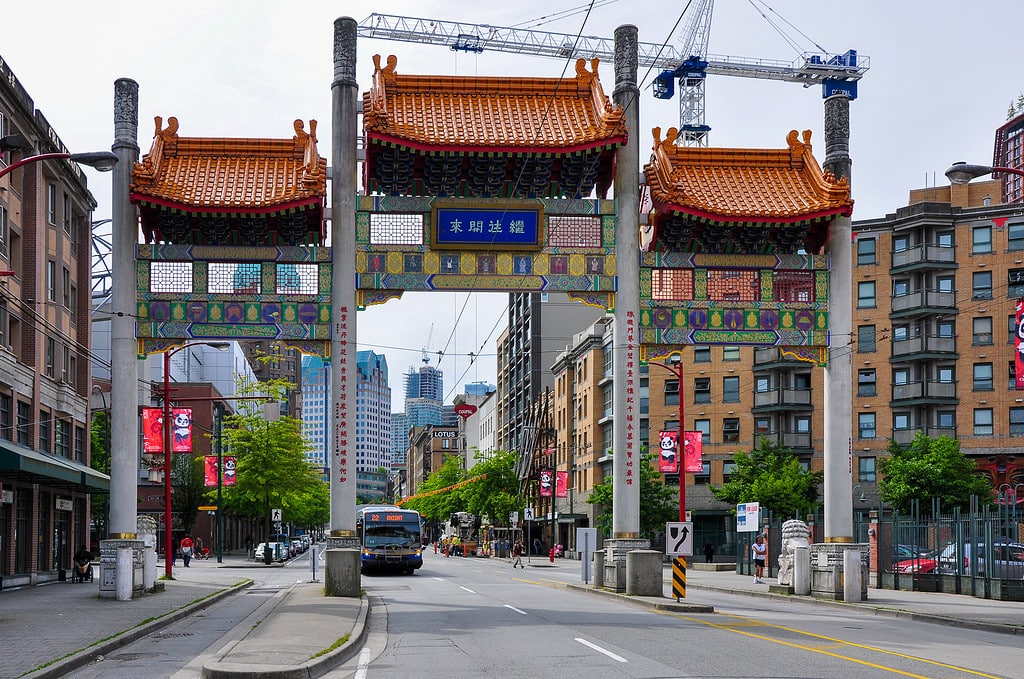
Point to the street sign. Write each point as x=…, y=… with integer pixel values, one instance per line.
x=207, y=508
x=513, y=517
x=275, y=514
x=747, y=517
x=679, y=538
x=528, y=514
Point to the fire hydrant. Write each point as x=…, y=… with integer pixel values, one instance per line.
x=551, y=555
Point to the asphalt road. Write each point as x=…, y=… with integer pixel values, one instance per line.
x=481, y=618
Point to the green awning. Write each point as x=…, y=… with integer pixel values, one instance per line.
x=53, y=470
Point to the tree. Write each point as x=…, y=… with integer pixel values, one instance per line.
x=772, y=476
x=659, y=504
x=929, y=468
x=496, y=495
x=99, y=460
x=440, y=505
x=272, y=471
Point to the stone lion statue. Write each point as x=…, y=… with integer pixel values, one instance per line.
x=795, y=533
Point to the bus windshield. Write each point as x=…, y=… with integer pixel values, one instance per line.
x=391, y=534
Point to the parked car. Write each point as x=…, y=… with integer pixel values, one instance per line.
x=922, y=562
x=275, y=551
x=902, y=555
x=1007, y=560
x=297, y=547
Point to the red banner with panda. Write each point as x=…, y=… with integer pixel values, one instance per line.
x=668, y=441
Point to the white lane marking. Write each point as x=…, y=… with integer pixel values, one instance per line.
x=467, y=589
x=520, y=612
x=364, y=664
x=601, y=650
x=439, y=579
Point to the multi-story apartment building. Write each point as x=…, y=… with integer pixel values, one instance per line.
x=275, y=361
x=429, y=447
x=45, y=229
x=539, y=326
x=1009, y=152
x=373, y=414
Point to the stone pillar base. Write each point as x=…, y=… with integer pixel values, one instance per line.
x=341, y=572
x=827, y=569
x=644, y=576
x=108, y=567
x=615, y=550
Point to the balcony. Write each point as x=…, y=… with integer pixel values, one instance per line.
x=783, y=399
x=924, y=256
x=924, y=391
x=793, y=440
x=905, y=436
x=771, y=357
x=921, y=301
x=942, y=347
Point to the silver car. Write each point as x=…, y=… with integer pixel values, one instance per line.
x=1007, y=560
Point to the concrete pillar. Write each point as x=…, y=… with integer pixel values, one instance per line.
x=839, y=370
x=802, y=571
x=644, y=574
x=851, y=575
x=124, y=400
x=344, y=91
x=598, y=569
x=123, y=577
x=626, y=356
x=341, y=572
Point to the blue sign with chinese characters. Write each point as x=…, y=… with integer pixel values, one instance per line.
x=500, y=226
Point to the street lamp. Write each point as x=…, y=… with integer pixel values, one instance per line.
x=168, y=542
x=675, y=366
x=961, y=172
x=104, y=161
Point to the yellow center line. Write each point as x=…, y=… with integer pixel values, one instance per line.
x=840, y=642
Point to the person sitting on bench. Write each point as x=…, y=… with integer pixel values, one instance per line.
x=83, y=565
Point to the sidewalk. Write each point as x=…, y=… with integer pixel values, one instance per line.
x=67, y=625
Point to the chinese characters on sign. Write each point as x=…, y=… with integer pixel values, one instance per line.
x=341, y=401
x=630, y=349
x=505, y=226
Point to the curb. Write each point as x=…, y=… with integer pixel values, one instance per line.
x=654, y=603
x=82, y=657
x=314, y=667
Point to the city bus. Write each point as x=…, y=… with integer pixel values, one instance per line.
x=390, y=538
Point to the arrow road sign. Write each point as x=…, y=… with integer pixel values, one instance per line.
x=679, y=538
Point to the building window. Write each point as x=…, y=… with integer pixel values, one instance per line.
x=1016, y=421
x=51, y=356
x=983, y=377
x=730, y=390
x=944, y=283
x=704, y=427
x=900, y=421
x=944, y=329
x=866, y=425
x=62, y=439
x=609, y=360
x=44, y=431
x=730, y=353
x=24, y=422
x=981, y=239
x=900, y=287
x=51, y=204
x=866, y=469
x=981, y=285
x=900, y=377
x=701, y=354
x=66, y=215
x=866, y=385
x=5, y=234
x=762, y=426
x=944, y=239
x=983, y=422
x=51, y=281
x=671, y=392
x=866, y=295
x=945, y=374
x=731, y=429
x=702, y=390
x=946, y=419
x=1015, y=236
x=1011, y=328
x=866, y=248
x=865, y=339
x=981, y=329
x=762, y=385
x=803, y=425
x=66, y=288
x=6, y=417
x=900, y=243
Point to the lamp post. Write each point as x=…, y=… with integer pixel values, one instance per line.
x=218, y=433
x=104, y=161
x=166, y=423
x=675, y=366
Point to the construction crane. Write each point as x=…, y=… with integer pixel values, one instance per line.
x=836, y=73
x=430, y=335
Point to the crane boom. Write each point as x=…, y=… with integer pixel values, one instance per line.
x=810, y=68
x=836, y=72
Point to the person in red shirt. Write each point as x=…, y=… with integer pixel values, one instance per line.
x=186, y=550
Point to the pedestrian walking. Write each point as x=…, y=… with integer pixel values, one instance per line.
x=186, y=550
x=758, y=552
x=517, y=554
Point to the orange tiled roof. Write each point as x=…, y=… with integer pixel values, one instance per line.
x=472, y=113
x=208, y=174
x=744, y=185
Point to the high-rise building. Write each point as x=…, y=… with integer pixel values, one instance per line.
x=539, y=326
x=1009, y=152
x=315, y=388
x=373, y=413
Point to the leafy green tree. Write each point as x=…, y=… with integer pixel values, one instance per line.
x=659, y=504
x=772, y=476
x=271, y=470
x=99, y=433
x=929, y=468
x=497, y=495
x=440, y=505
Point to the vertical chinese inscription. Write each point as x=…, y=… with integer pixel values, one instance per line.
x=631, y=358
x=341, y=400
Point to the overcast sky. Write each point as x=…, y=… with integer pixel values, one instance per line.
x=942, y=76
